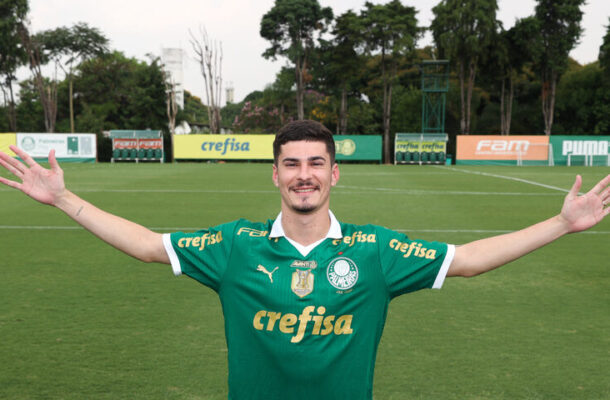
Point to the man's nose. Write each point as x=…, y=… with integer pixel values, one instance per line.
x=304, y=171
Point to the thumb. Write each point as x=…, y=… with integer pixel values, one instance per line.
x=53, y=161
x=575, y=188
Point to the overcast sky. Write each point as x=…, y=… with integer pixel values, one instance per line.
x=140, y=27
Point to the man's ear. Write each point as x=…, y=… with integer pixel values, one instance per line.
x=274, y=176
x=334, y=178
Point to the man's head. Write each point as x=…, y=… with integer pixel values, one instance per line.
x=305, y=130
x=304, y=167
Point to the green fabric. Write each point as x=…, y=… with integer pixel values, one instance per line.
x=305, y=327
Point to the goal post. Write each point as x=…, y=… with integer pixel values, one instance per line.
x=547, y=148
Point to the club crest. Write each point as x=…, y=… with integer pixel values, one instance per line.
x=342, y=273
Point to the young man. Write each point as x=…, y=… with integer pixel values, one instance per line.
x=304, y=296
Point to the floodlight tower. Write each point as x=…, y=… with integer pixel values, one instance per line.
x=434, y=86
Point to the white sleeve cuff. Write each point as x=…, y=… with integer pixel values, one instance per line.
x=442, y=273
x=171, y=253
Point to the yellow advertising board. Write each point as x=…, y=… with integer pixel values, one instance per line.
x=7, y=139
x=223, y=147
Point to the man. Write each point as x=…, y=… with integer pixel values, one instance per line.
x=304, y=296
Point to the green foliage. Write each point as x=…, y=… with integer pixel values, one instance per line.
x=604, y=53
x=122, y=92
x=291, y=27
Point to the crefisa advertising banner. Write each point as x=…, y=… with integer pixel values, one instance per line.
x=260, y=147
x=502, y=150
x=79, y=147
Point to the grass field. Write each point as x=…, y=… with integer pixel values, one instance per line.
x=79, y=320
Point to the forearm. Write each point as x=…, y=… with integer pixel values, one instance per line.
x=126, y=236
x=484, y=255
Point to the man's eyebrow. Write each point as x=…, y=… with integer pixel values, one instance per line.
x=312, y=158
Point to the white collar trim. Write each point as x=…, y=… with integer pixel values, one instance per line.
x=334, y=232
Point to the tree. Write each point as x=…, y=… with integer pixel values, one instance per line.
x=559, y=31
x=462, y=31
x=341, y=63
x=391, y=30
x=116, y=92
x=209, y=57
x=38, y=56
x=67, y=47
x=292, y=26
x=604, y=52
x=12, y=53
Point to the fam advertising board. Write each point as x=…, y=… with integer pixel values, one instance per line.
x=80, y=147
x=260, y=147
x=505, y=150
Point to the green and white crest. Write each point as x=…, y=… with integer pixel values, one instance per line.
x=342, y=273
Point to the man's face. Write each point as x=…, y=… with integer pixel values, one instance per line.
x=304, y=174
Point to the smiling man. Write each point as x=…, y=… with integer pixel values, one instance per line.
x=304, y=296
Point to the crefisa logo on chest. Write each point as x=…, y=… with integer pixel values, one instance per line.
x=342, y=273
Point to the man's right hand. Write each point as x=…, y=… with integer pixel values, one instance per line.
x=43, y=185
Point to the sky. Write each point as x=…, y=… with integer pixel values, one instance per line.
x=141, y=27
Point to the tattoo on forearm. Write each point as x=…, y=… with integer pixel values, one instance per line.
x=79, y=210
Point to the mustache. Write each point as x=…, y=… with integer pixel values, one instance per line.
x=299, y=185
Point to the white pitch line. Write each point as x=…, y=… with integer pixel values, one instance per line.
x=191, y=229
x=510, y=178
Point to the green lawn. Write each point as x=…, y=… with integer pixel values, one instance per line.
x=79, y=320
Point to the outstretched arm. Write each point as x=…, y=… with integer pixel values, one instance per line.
x=47, y=186
x=577, y=214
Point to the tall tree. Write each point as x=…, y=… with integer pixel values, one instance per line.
x=391, y=32
x=38, y=56
x=292, y=27
x=208, y=54
x=12, y=53
x=462, y=31
x=558, y=33
x=68, y=47
x=343, y=61
x=604, y=52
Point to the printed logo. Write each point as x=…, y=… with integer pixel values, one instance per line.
x=264, y=271
x=302, y=279
x=342, y=273
x=28, y=143
x=346, y=147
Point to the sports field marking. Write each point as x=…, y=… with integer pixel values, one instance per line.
x=442, y=192
x=413, y=192
x=189, y=228
x=510, y=178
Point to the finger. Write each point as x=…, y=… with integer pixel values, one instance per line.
x=601, y=185
x=11, y=169
x=23, y=155
x=575, y=187
x=10, y=183
x=13, y=162
x=53, y=161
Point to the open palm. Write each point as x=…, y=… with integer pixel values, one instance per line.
x=583, y=212
x=41, y=184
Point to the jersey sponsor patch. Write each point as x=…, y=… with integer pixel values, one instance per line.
x=342, y=273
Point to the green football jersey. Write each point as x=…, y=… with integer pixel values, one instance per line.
x=305, y=327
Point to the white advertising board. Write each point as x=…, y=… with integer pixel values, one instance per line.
x=71, y=146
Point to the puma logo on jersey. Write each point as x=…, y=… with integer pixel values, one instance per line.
x=264, y=271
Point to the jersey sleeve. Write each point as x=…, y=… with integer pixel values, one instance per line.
x=409, y=265
x=201, y=255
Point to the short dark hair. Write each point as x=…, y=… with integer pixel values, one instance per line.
x=310, y=131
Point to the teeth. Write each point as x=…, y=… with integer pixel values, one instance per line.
x=303, y=190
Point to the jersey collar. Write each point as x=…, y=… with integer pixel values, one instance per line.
x=277, y=230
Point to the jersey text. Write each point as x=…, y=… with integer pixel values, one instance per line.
x=414, y=248
x=200, y=241
x=322, y=325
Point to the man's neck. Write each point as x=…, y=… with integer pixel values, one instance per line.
x=306, y=229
